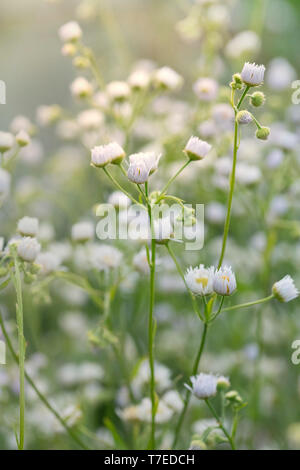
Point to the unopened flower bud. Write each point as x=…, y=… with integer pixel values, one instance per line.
x=198, y=445
x=69, y=49
x=263, y=133
x=244, y=117
x=237, y=78
x=237, y=82
x=257, y=99
x=233, y=396
x=81, y=62
x=223, y=383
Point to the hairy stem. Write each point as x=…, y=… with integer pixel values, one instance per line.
x=188, y=393
x=16, y=278
x=38, y=392
x=232, y=180
x=226, y=433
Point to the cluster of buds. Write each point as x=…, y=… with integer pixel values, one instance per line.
x=251, y=76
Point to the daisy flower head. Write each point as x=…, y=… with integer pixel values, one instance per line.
x=224, y=281
x=101, y=155
x=285, y=289
x=196, y=149
x=206, y=89
x=28, y=248
x=28, y=226
x=141, y=166
x=203, y=386
x=252, y=74
x=200, y=279
x=70, y=32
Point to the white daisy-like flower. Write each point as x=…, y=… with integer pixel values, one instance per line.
x=252, y=74
x=144, y=411
x=48, y=261
x=285, y=289
x=206, y=89
x=223, y=115
x=119, y=200
x=139, y=79
x=90, y=119
x=6, y=141
x=196, y=149
x=168, y=79
x=141, y=166
x=22, y=123
x=224, y=281
x=118, y=90
x=22, y=139
x=109, y=153
x=28, y=248
x=105, y=257
x=70, y=32
x=243, y=44
x=81, y=88
x=47, y=115
x=203, y=385
x=28, y=226
x=200, y=279
x=82, y=232
x=173, y=400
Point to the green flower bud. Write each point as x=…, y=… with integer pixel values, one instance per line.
x=198, y=445
x=29, y=278
x=233, y=396
x=237, y=78
x=258, y=99
x=81, y=62
x=244, y=117
x=222, y=384
x=263, y=133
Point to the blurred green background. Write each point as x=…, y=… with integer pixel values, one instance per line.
x=35, y=72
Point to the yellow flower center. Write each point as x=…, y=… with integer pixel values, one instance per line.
x=202, y=280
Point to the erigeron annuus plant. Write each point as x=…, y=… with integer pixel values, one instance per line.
x=120, y=104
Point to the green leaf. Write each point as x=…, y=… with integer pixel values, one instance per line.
x=120, y=444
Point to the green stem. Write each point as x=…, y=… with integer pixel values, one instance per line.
x=243, y=97
x=175, y=176
x=37, y=391
x=193, y=298
x=188, y=393
x=151, y=326
x=249, y=304
x=213, y=411
x=215, y=315
x=232, y=180
x=16, y=278
x=115, y=182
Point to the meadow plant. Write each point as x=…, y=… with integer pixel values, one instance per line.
x=145, y=147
